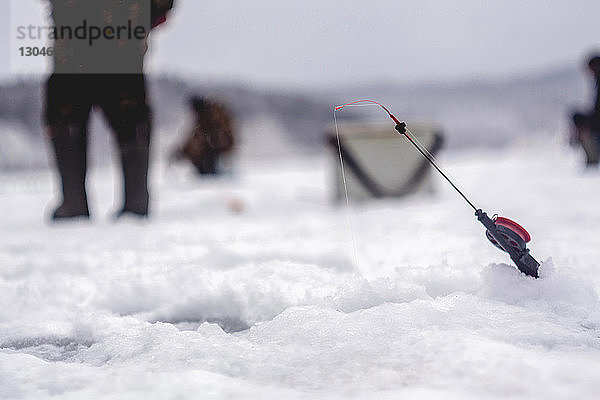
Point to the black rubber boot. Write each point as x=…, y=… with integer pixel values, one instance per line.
x=134, y=162
x=70, y=149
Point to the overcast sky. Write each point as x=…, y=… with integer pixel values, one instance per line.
x=313, y=43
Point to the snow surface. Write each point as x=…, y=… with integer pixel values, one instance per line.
x=252, y=287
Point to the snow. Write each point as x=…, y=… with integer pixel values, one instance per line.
x=19, y=149
x=256, y=286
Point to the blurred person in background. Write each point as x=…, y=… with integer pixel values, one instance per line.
x=104, y=72
x=211, y=137
x=587, y=124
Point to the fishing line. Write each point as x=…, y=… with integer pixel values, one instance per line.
x=359, y=103
x=343, y=171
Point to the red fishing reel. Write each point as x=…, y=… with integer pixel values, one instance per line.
x=514, y=234
x=512, y=238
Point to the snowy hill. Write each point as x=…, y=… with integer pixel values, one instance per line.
x=291, y=298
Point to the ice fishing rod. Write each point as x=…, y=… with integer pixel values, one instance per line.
x=505, y=234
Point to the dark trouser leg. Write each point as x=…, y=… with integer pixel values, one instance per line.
x=586, y=127
x=70, y=148
x=124, y=103
x=134, y=162
x=593, y=154
x=590, y=146
x=209, y=162
x=67, y=110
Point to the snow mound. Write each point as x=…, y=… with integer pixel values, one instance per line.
x=279, y=301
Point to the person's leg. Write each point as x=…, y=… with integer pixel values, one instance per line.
x=134, y=161
x=589, y=143
x=210, y=161
x=595, y=138
x=67, y=112
x=129, y=115
x=594, y=156
x=586, y=136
